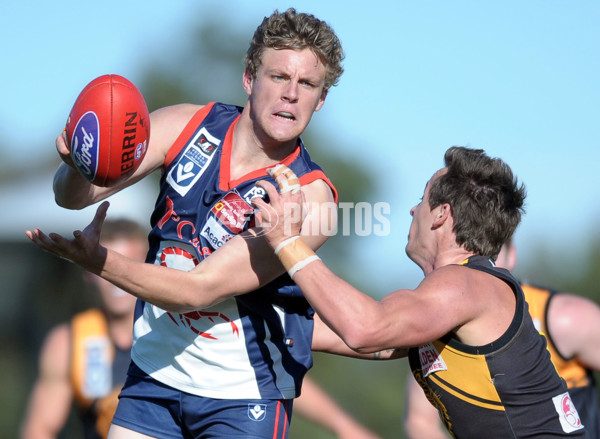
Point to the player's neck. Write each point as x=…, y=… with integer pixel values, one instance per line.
x=452, y=256
x=251, y=151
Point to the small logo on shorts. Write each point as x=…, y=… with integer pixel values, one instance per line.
x=257, y=412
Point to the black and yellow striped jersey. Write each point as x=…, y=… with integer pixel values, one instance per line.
x=506, y=389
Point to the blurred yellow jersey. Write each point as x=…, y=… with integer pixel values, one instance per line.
x=580, y=381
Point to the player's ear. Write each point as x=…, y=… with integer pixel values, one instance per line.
x=441, y=215
x=247, y=81
x=321, y=100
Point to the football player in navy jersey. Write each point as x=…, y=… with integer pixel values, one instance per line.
x=205, y=363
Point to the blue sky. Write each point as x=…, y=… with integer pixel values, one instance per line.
x=519, y=79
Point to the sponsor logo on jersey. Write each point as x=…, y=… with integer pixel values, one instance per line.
x=233, y=211
x=255, y=191
x=431, y=360
x=257, y=412
x=207, y=143
x=193, y=162
x=215, y=233
x=85, y=144
x=228, y=217
x=567, y=413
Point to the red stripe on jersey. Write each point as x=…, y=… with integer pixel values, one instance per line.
x=187, y=133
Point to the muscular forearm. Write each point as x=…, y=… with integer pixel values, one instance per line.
x=171, y=290
x=325, y=292
x=210, y=282
x=326, y=340
x=71, y=189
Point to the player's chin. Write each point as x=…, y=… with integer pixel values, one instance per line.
x=409, y=249
x=284, y=133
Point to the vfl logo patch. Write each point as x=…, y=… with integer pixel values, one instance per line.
x=257, y=412
x=193, y=162
x=431, y=360
x=567, y=413
x=85, y=145
x=228, y=217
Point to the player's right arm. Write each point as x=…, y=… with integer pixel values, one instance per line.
x=73, y=191
x=52, y=394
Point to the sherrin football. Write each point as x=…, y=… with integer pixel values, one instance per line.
x=108, y=130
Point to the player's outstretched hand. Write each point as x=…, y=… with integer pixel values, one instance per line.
x=84, y=249
x=282, y=217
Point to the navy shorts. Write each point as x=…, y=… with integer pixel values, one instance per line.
x=154, y=409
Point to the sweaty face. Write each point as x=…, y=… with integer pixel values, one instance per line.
x=287, y=90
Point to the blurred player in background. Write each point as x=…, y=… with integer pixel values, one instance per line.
x=317, y=406
x=85, y=361
x=571, y=325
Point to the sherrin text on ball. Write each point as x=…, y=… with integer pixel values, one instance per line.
x=108, y=130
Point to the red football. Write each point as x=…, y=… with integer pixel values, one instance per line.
x=108, y=130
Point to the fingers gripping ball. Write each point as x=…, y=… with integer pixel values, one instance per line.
x=285, y=178
x=108, y=130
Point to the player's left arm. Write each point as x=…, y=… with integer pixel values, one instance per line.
x=326, y=340
x=574, y=325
